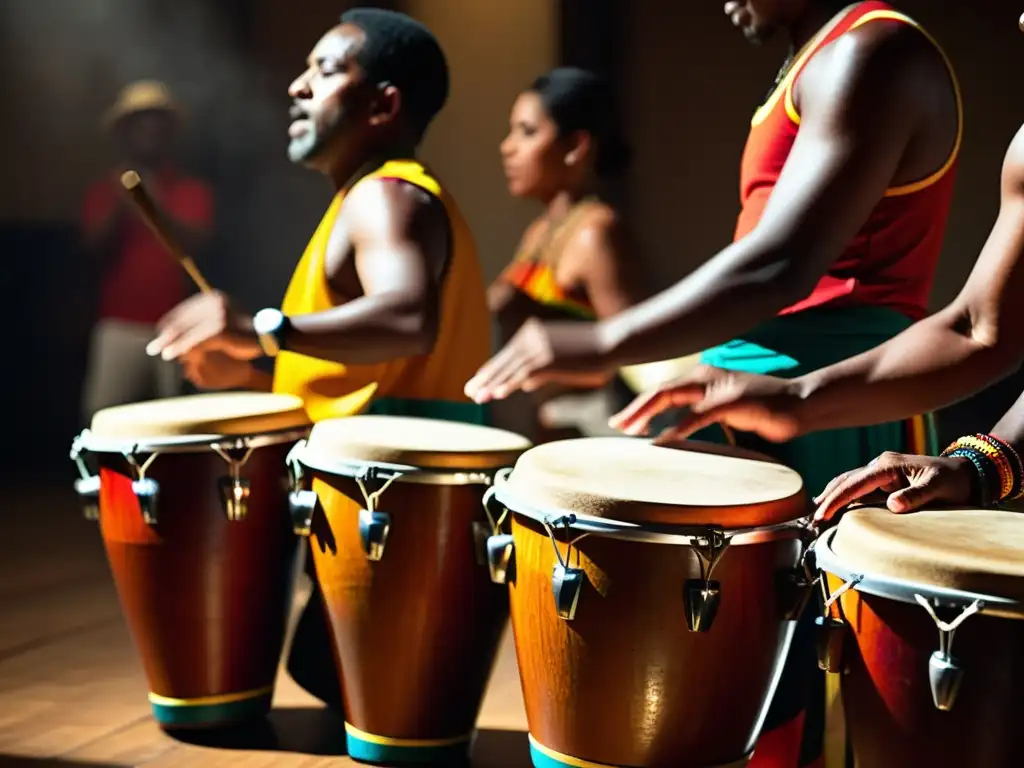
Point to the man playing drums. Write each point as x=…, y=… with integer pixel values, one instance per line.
x=846, y=183
x=387, y=308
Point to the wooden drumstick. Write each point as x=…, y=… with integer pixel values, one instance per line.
x=132, y=183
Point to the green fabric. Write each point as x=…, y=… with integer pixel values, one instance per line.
x=444, y=410
x=791, y=345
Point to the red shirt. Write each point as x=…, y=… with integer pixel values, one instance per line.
x=891, y=261
x=144, y=281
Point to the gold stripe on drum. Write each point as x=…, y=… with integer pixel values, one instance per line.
x=387, y=741
x=209, y=701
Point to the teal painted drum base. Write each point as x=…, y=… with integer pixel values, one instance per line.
x=542, y=757
x=211, y=711
x=371, y=748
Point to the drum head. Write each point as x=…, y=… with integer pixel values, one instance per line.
x=215, y=413
x=970, y=550
x=633, y=480
x=413, y=442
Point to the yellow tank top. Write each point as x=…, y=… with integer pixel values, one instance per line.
x=427, y=385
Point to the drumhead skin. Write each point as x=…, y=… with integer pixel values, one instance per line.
x=636, y=481
x=412, y=441
x=214, y=413
x=969, y=550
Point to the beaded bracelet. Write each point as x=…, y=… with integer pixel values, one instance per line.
x=987, y=478
x=999, y=466
x=1017, y=464
x=993, y=453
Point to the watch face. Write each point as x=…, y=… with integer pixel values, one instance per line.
x=267, y=321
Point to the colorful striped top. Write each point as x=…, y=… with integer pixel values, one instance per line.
x=533, y=272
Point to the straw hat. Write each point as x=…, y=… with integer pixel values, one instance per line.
x=141, y=96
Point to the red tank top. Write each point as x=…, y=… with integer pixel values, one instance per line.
x=891, y=261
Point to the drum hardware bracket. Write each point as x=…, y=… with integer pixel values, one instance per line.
x=702, y=597
x=831, y=632
x=494, y=548
x=374, y=526
x=808, y=567
x=795, y=584
x=945, y=673
x=147, y=490
x=566, y=580
x=234, y=489
x=87, y=486
x=301, y=502
x=301, y=506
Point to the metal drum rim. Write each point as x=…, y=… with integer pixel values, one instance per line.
x=652, y=533
x=904, y=590
x=402, y=473
x=87, y=442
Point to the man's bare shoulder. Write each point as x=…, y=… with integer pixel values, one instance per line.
x=379, y=200
x=881, y=59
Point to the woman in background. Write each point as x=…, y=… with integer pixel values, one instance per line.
x=563, y=147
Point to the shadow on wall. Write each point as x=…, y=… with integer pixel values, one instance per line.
x=52, y=312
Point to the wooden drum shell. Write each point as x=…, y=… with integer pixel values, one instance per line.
x=417, y=632
x=625, y=682
x=891, y=718
x=206, y=599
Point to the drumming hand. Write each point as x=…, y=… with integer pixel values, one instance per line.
x=762, y=404
x=909, y=481
x=215, y=370
x=542, y=353
x=207, y=322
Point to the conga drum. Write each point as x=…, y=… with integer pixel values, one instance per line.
x=398, y=535
x=654, y=595
x=926, y=629
x=192, y=498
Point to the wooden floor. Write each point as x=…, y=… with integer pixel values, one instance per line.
x=72, y=692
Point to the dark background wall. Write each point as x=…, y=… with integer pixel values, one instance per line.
x=687, y=85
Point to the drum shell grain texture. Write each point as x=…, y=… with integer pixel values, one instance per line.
x=417, y=632
x=625, y=682
x=206, y=599
x=890, y=715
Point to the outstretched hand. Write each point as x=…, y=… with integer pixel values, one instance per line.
x=765, y=405
x=542, y=353
x=908, y=482
x=207, y=322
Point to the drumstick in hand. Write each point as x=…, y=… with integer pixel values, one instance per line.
x=132, y=182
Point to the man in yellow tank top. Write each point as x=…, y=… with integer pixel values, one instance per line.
x=386, y=310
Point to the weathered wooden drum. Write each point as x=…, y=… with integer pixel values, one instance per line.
x=654, y=593
x=926, y=627
x=398, y=535
x=192, y=500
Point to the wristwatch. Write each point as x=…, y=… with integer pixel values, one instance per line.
x=271, y=325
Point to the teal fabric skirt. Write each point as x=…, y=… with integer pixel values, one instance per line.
x=792, y=345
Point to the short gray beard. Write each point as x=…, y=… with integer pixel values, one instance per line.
x=304, y=148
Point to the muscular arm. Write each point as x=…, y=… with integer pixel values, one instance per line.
x=967, y=346
x=859, y=109
x=399, y=237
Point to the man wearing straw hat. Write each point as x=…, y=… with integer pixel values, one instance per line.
x=138, y=283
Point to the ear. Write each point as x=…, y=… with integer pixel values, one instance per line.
x=387, y=105
x=578, y=148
